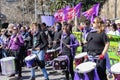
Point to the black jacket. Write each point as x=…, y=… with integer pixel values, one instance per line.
x=40, y=40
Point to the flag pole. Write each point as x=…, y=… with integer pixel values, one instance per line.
x=76, y=23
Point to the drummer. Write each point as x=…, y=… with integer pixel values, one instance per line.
x=97, y=45
x=39, y=44
x=14, y=45
x=57, y=35
x=68, y=47
x=86, y=29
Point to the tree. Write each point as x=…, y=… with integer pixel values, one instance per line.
x=86, y=4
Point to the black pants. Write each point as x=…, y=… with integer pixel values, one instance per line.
x=18, y=60
x=101, y=70
x=23, y=51
x=0, y=58
x=71, y=69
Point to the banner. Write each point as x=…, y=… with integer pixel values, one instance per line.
x=49, y=20
x=92, y=12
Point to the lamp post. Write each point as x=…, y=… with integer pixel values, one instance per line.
x=23, y=11
x=115, y=9
x=0, y=13
x=35, y=10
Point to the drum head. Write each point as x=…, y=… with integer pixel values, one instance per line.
x=81, y=55
x=86, y=67
x=30, y=57
x=116, y=68
x=7, y=58
x=59, y=59
x=49, y=51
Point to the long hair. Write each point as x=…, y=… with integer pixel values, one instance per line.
x=101, y=24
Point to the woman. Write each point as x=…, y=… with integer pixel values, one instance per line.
x=97, y=45
x=68, y=47
x=14, y=45
x=113, y=30
x=39, y=44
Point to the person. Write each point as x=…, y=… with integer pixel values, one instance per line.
x=57, y=35
x=4, y=39
x=113, y=30
x=107, y=25
x=14, y=46
x=48, y=33
x=68, y=47
x=97, y=45
x=85, y=31
x=39, y=45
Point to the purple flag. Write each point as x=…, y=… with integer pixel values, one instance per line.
x=78, y=9
x=60, y=15
x=92, y=12
x=68, y=13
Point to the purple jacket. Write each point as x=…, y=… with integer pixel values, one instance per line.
x=73, y=43
x=15, y=45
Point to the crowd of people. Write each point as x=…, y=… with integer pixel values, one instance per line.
x=17, y=39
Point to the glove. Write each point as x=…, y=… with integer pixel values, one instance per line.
x=101, y=57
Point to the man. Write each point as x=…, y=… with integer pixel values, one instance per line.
x=48, y=34
x=57, y=35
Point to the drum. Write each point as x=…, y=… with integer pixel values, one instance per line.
x=50, y=55
x=86, y=67
x=60, y=63
x=115, y=69
x=29, y=51
x=8, y=65
x=80, y=58
x=30, y=60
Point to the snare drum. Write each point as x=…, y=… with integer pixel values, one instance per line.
x=8, y=65
x=80, y=58
x=115, y=69
x=60, y=63
x=50, y=55
x=86, y=67
x=30, y=60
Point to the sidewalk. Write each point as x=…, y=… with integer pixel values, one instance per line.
x=39, y=76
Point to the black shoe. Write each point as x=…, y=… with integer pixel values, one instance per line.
x=19, y=78
x=32, y=78
x=47, y=79
x=11, y=75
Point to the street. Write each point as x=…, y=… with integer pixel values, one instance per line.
x=39, y=76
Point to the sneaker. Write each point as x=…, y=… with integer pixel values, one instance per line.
x=32, y=78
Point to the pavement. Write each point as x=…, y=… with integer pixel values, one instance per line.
x=53, y=75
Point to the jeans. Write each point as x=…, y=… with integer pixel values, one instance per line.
x=40, y=54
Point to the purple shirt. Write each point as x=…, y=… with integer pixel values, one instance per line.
x=15, y=45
